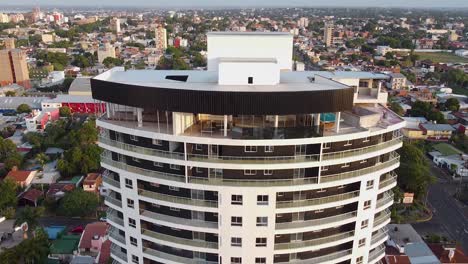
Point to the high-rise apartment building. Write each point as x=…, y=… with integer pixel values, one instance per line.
x=115, y=25
x=160, y=36
x=328, y=34
x=248, y=162
x=303, y=22
x=4, y=18
x=14, y=68
x=106, y=50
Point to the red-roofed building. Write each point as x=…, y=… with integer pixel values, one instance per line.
x=22, y=178
x=92, y=239
x=448, y=254
x=104, y=254
x=32, y=196
x=92, y=182
x=396, y=259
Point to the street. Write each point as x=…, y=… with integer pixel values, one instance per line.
x=449, y=215
x=70, y=223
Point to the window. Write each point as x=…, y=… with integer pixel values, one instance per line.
x=366, y=139
x=136, y=159
x=367, y=204
x=135, y=259
x=198, y=147
x=175, y=209
x=157, y=142
x=364, y=224
x=236, y=242
x=261, y=242
x=198, y=170
x=130, y=203
x=349, y=143
x=132, y=222
x=129, y=183
x=236, y=221
x=324, y=168
x=345, y=165
x=269, y=148
x=260, y=260
x=250, y=172
x=363, y=161
x=250, y=148
x=250, y=80
x=173, y=188
x=262, y=221
x=133, y=241
x=370, y=184
x=326, y=145
x=236, y=199
x=360, y=260
x=158, y=164
x=267, y=172
x=133, y=138
x=262, y=199
x=362, y=242
x=175, y=167
x=236, y=260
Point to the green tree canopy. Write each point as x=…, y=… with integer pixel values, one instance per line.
x=452, y=104
x=420, y=108
x=79, y=203
x=23, y=108
x=110, y=62
x=65, y=111
x=29, y=215
x=8, y=195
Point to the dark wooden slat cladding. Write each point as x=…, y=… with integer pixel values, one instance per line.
x=224, y=103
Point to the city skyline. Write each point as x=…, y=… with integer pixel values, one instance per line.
x=245, y=3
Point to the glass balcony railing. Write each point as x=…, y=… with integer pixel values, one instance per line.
x=111, y=215
x=314, y=242
x=316, y=222
x=150, y=173
x=174, y=258
x=376, y=253
x=113, y=201
x=322, y=259
x=114, y=233
x=317, y=201
x=390, y=179
x=382, y=233
x=385, y=216
x=107, y=179
x=361, y=151
x=177, y=199
x=115, y=250
x=178, y=240
x=178, y=220
x=387, y=198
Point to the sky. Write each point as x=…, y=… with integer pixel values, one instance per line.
x=244, y=3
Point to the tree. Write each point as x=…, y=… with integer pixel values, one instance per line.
x=396, y=107
x=10, y=93
x=34, y=250
x=112, y=62
x=413, y=173
x=436, y=116
x=79, y=203
x=8, y=195
x=42, y=159
x=452, y=104
x=9, y=154
x=23, y=108
x=65, y=111
x=420, y=108
x=29, y=215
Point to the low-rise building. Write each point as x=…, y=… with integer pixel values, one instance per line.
x=92, y=239
x=436, y=132
x=22, y=177
x=397, y=81
x=38, y=120
x=92, y=182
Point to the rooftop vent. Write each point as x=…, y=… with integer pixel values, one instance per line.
x=311, y=78
x=179, y=78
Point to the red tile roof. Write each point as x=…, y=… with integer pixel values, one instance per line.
x=18, y=175
x=91, y=178
x=91, y=230
x=104, y=255
x=443, y=254
x=32, y=195
x=396, y=259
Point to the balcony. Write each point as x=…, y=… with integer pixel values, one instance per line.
x=356, y=152
x=179, y=221
x=106, y=160
x=390, y=179
x=330, y=258
x=385, y=216
x=385, y=200
x=114, y=234
x=178, y=240
x=317, y=201
x=174, y=258
x=141, y=150
x=376, y=254
x=113, y=201
x=382, y=233
x=314, y=242
x=316, y=222
x=106, y=178
x=111, y=215
x=177, y=199
x=115, y=250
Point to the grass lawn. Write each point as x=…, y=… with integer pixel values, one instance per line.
x=443, y=57
x=446, y=149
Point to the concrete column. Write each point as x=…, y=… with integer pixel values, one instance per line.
x=317, y=120
x=108, y=110
x=337, y=121
x=140, y=117
x=225, y=125
x=276, y=120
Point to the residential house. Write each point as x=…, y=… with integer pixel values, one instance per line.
x=22, y=177
x=397, y=81
x=412, y=129
x=92, y=239
x=449, y=253
x=436, y=132
x=92, y=182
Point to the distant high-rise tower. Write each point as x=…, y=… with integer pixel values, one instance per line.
x=9, y=43
x=13, y=68
x=115, y=25
x=160, y=35
x=328, y=34
x=303, y=22
x=107, y=50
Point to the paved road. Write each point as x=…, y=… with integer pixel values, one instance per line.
x=70, y=223
x=450, y=217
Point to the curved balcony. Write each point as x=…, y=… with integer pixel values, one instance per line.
x=108, y=180
x=326, y=259
x=180, y=241
x=317, y=201
x=177, y=199
x=173, y=258
x=317, y=223
x=385, y=201
x=112, y=217
x=115, y=252
x=105, y=160
x=390, y=179
x=377, y=238
x=172, y=220
x=384, y=217
x=316, y=243
x=112, y=200
x=114, y=234
x=377, y=254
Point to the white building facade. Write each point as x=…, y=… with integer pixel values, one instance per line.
x=248, y=162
